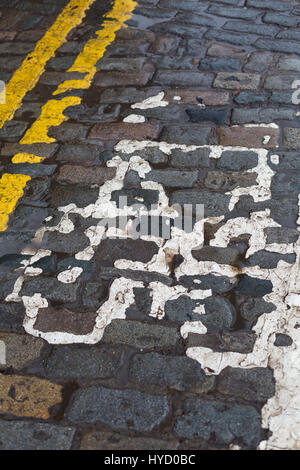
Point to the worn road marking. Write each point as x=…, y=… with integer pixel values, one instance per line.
x=26, y=158
x=85, y=63
x=51, y=115
x=27, y=76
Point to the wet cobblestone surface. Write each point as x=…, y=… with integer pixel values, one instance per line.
x=221, y=73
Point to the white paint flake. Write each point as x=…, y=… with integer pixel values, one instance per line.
x=134, y=118
x=152, y=102
x=70, y=275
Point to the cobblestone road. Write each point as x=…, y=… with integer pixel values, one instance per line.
x=182, y=342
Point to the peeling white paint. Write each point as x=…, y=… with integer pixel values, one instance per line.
x=134, y=118
x=152, y=102
x=70, y=275
x=281, y=414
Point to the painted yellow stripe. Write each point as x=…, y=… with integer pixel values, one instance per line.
x=95, y=48
x=27, y=158
x=12, y=186
x=51, y=115
x=11, y=190
x=26, y=77
x=52, y=112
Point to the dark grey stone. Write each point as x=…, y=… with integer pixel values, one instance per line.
x=265, y=115
x=145, y=197
x=182, y=78
x=283, y=340
x=219, y=116
x=289, y=34
x=111, y=250
x=174, y=63
x=228, y=255
x=135, y=410
x=215, y=204
x=220, y=181
x=11, y=317
x=219, y=422
x=232, y=12
x=253, y=286
x=78, y=153
x=22, y=435
x=181, y=309
x=173, y=178
x=219, y=314
x=65, y=242
x=176, y=372
x=282, y=20
x=276, y=5
x=140, y=335
x=277, y=45
x=259, y=61
x=255, y=384
x=246, y=97
x=270, y=260
x=196, y=158
x=181, y=29
x=35, y=171
x=47, y=264
x=13, y=129
x=281, y=97
x=220, y=64
x=240, y=341
x=245, y=27
x=199, y=20
x=7, y=282
x=63, y=195
x=286, y=183
x=281, y=235
x=93, y=294
x=237, y=160
x=78, y=361
x=226, y=36
x=218, y=284
x=292, y=140
x=29, y=22
x=253, y=308
x=51, y=289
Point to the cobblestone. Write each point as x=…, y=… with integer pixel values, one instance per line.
x=137, y=411
x=21, y=435
x=28, y=396
x=219, y=422
x=189, y=342
x=70, y=362
x=179, y=373
x=140, y=335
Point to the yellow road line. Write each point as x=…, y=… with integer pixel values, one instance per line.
x=51, y=115
x=26, y=77
x=52, y=112
x=11, y=190
x=27, y=158
x=12, y=186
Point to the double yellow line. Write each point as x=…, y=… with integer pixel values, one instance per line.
x=52, y=114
